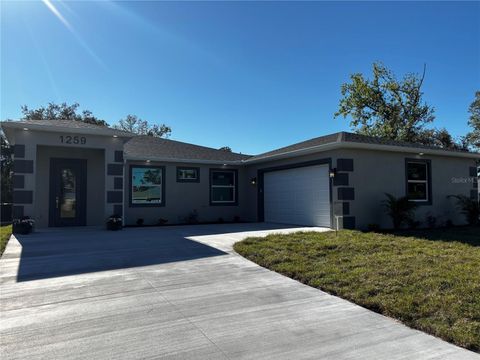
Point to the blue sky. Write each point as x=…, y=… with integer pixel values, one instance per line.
x=250, y=75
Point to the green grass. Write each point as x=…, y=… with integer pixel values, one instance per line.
x=5, y=232
x=428, y=279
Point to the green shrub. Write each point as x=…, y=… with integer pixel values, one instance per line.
x=401, y=210
x=468, y=207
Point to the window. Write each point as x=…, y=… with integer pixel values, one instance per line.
x=418, y=180
x=147, y=185
x=223, y=187
x=188, y=174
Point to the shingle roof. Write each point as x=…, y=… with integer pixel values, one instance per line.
x=346, y=137
x=66, y=125
x=364, y=139
x=148, y=147
x=327, y=139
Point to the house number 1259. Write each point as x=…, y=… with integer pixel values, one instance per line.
x=73, y=139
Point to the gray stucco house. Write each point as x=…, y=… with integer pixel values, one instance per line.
x=69, y=173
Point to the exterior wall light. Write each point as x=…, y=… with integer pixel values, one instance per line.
x=421, y=154
x=332, y=173
x=148, y=161
x=25, y=129
x=115, y=136
x=253, y=181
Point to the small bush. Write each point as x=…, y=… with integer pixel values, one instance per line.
x=468, y=207
x=401, y=210
x=140, y=222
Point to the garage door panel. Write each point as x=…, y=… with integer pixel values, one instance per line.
x=299, y=196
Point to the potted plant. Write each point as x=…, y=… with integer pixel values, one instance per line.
x=23, y=226
x=114, y=222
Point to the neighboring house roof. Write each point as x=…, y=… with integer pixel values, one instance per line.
x=153, y=148
x=65, y=125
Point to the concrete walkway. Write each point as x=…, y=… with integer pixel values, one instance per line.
x=180, y=293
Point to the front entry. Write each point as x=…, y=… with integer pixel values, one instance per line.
x=68, y=192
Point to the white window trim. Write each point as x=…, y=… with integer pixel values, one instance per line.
x=212, y=186
x=187, y=178
x=419, y=181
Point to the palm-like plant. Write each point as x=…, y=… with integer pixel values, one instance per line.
x=470, y=208
x=401, y=209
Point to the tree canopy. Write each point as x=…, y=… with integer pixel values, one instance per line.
x=61, y=111
x=134, y=124
x=64, y=111
x=391, y=108
x=473, y=137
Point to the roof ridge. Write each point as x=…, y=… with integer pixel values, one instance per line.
x=189, y=144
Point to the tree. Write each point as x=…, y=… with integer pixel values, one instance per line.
x=394, y=109
x=473, y=137
x=386, y=107
x=225, y=148
x=441, y=138
x=61, y=111
x=134, y=124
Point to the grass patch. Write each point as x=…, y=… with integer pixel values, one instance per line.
x=5, y=232
x=428, y=279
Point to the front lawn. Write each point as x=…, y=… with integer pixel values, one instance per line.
x=5, y=232
x=428, y=279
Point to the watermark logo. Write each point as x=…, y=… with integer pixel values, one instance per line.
x=464, y=180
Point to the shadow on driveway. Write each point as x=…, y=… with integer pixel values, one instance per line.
x=77, y=251
x=69, y=251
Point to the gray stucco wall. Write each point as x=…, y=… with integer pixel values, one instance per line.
x=28, y=197
x=182, y=198
x=357, y=191
x=95, y=182
x=378, y=172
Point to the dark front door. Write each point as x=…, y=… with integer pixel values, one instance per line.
x=68, y=191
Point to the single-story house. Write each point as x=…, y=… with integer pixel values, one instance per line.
x=69, y=173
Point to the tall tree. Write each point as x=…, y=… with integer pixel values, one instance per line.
x=134, y=124
x=390, y=108
x=473, y=137
x=384, y=106
x=61, y=111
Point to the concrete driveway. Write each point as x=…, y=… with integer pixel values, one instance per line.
x=180, y=293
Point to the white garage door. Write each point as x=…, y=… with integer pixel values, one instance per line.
x=299, y=196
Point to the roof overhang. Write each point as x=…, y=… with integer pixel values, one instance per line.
x=189, y=161
x=353, y=145
x=15, y=125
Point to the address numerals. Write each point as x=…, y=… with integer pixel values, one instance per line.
x=67, y=139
